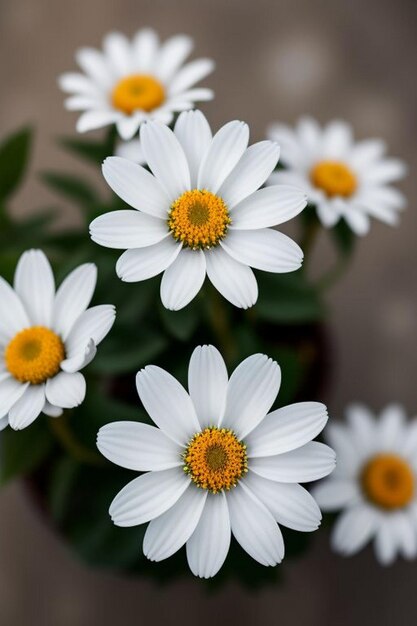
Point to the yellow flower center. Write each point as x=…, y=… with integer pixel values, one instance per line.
x=388, y=481
x=334, y=178
x=215, y=459
x=34, y=355
x=138, y=91
x=199, y=219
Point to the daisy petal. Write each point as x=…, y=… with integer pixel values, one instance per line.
x=348, y=454
x=128, y=125
x=93, y=324
x=172, y=55
x=90, y=120
x=35, y=285
x=254, y=527
x=353, y=529
x=167, y=533
x=190, y=74
x=73, y=82
x=386, y=171
x=406, y=535
x=136, y=186
x=138, y=446
x=183, y=279
x=290, y=504
x=4, y=422
x=263, y=249
x=51, y=411
x=127, y=229
x=66, y=390
x=12, y=314
x=143, y=263
x=337, y=139
x=310, y=462
x=194, y=134
x=366, y=152
x=287, y=428
x=80, y=359
x=207, y=384
x=357, y=220
x=209, y=544
x=385, y=542
x=167, y=403
x=28, y=407
x=256, y=164
x=148, y=496
x=336, y=493
x=10, y=392
x=166, y=158
x=117, y=49
x=252, y=390
x=391, y=427
x=235, y=281
x=145, y=47
x=268, y=207
x=93, y=63
x=73, y=297
x=225, y=151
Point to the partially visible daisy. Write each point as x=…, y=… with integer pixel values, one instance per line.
x=343, y=179
x=216, y=463
x=374, y=484
x=200, y=211
x=132, y=81
x=46, y=338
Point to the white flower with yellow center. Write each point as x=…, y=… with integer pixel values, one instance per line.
x=200, y=211
x=375, y=483
x=216, y=463
x=129, y=82
x=343, y=179
x=46, y=338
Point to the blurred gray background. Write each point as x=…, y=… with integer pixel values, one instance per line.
x=276, y=60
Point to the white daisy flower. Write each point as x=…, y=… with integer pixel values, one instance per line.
x=200, y=211
x=342, y=178
x=46, y=338
x=374, y=484
x=132, y=81
x=216, y=463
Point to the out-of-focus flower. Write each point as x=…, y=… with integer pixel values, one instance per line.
x=46, y=338
x=200, y=211
x=216, y=463
x=131, y=150
x=132, y=81
x=374, y=484
x=343, y=179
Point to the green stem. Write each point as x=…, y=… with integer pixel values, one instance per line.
x=333, y=275
x=79, y=452
x=311, y=230
x=220, y=323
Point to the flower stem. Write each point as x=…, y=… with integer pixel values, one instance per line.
x=62, y=432
x=220, y=323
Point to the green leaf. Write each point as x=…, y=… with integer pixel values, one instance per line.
x=288, y=298
x=21, y=451
x=119, y=355
x=71, y=187
x=14, y=157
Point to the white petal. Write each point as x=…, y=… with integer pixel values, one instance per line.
x=138, y=446
x=51, y=411
x=143, y=263
x=357, y=220
x=117, y=49
x=136, y=186
x=66, y=390
x=406, y=535
x=336, y=493
x=290, y=504
x=235, y=281
x=209, y=544
x=145, y=46
x=254, y=527
x=309, y=133
x=190, y=74
x=287, y=428
x=199, y=94
x=166, y=158
x=73, y=297
x=167, y=533
x=35, y=285
x=263, y=249
x=80, y=358
x=310, y=462
x=4, y=422
x=127, y=229
x=408, y=443
x=251, y=392
x=364, y=153
x=167, y=403
x=363, y=428
x=148, y=496
x=90, y=120
x=93, y=63
x=27, y=409
x=73, y=82
x=327, y=214
x=12, y=314
x=353, y=529
x=128, y=125
x=207, y=384
x=385, y=542
x=93, y=324
x=254, y=167
x=337, y=139
x=225, y=151
x=10, y=392
x=183, y=279
x=131, y=150
x=292, y=151
x=194, y=134
x=386, y=171
x=390, y=428
x=268, y=207
x=81, y=103
x=172, y=55
x=349, y=456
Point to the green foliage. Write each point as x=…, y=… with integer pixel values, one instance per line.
x=288, y=299
x=21, y=452
x=14, y=157
x=71, y=187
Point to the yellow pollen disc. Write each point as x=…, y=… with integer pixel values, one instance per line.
x=34, y=355
x=334, y=178
x=215, y=459
x=388, y=481
x=138, y=91
x=199, y=219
